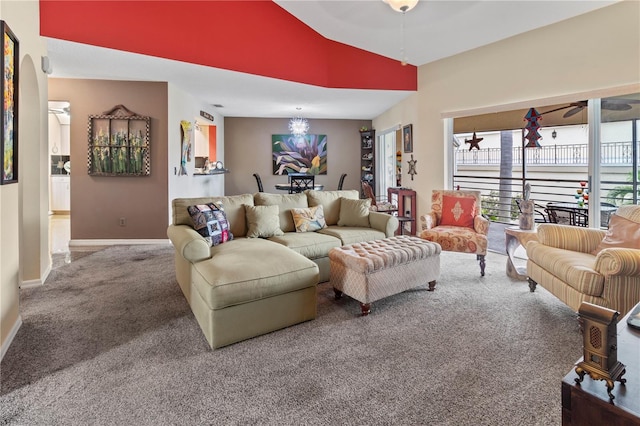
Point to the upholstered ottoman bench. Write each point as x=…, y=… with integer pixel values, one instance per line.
x=373, y=270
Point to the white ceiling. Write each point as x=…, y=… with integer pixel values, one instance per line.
x=434, y=30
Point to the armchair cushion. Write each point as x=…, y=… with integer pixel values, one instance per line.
x=575, y=268
x=622, y=232
x=457, y=238
x=458, y=211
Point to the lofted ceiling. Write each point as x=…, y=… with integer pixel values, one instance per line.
x=434, y=30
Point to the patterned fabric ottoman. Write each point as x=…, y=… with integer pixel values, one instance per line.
x=372, y=270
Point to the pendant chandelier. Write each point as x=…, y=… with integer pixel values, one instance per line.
x=298, y=126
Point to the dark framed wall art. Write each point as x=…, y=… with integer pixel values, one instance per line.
x=119, y=144
x=407, y=138
x=9, y=64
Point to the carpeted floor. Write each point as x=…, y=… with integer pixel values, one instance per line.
x=110, y=339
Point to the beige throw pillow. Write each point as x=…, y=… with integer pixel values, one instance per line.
x=263, y=221
x=354, y=212
x=622, y=233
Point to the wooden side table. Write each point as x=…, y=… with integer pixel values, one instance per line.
x=514, y=237
x=588, y=403
x=398, y=195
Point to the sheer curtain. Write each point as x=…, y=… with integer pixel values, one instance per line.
x=386, y=163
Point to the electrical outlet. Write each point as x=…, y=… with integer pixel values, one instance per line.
x=122, y=221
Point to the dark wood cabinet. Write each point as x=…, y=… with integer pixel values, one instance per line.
x=588, y=403
x=368, y=157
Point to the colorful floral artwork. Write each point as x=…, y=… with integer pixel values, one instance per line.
x=9, y=106
x=299, y=154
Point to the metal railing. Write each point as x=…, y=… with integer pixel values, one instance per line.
x=612, y=153
x=499, y=195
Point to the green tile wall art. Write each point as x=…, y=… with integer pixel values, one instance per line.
x=119, y=143
x=299, y=154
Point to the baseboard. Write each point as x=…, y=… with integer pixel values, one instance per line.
x=9, y=339
x=38, y=282
x=113, y=242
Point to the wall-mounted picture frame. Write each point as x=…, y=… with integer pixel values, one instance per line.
x=119, y=144
x=299, y=154
x=407, y=138
x=9, y=63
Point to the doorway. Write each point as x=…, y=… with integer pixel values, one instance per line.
x=58, y=174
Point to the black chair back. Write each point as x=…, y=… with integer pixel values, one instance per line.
x=259, y=181
x=299, y=183
x=341, y=181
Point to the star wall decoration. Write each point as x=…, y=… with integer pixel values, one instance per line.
x=412, y=167
x=473, y=142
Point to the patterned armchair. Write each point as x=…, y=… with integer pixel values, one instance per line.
x=456, y=224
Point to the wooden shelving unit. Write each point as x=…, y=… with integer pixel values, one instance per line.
x=367, y=157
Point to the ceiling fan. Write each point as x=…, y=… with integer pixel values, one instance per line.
x=612, y=104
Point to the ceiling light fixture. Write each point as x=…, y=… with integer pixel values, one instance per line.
x=298, y=126
x=402, y=6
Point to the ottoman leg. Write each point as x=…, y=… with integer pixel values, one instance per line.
x=338, y=293
x=432, y=285
x=366, y=308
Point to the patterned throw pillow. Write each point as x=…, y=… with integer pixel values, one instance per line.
x=458, y=211
x=309, y=220
x=211, y=222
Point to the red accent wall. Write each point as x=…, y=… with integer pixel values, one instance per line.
x=255, y=37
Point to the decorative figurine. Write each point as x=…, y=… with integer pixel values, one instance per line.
x=525, y=219
x=600, y=348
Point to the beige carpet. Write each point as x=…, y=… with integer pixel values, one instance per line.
x=110, y=340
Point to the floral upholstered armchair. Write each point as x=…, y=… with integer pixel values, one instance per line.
x=455, y=222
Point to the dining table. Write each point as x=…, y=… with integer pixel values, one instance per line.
x=579, y=214
x=287, y=187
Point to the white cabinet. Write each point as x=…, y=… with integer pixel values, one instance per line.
x=60, y=193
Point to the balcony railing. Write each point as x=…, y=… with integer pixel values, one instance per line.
x=612, y=153
x=499, y=195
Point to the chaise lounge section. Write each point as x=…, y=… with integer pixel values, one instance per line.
x=264, y=279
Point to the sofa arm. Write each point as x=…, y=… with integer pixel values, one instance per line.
x=188, y=243
x=574, y=238
x=384, y=222
x=428, y=221
x=618, y=261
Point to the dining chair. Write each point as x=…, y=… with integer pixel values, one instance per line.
x=298, y=183
x=341, y=181
x=383, y=207
x=259, y=181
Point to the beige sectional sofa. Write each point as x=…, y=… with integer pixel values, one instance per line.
x=250, y=286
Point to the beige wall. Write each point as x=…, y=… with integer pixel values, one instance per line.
x=97, y=202
x=248, y=150
x=24, y=254
x=593, y=53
